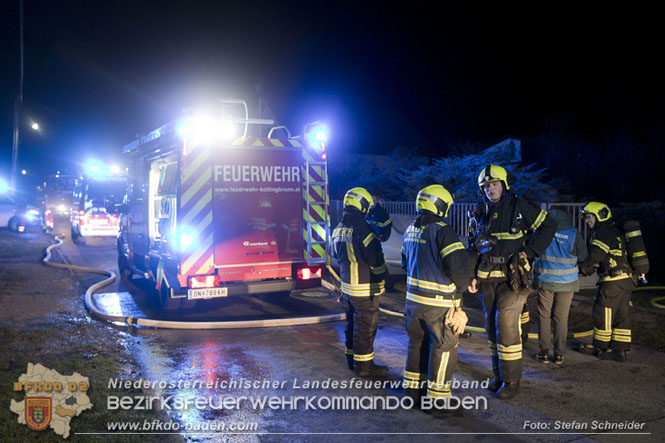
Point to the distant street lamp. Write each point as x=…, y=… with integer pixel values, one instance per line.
x=17, y=102
x=35, y=126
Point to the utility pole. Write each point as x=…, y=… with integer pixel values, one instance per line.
x=17, y=102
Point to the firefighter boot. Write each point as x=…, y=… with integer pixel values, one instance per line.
x=494, y=385
x=590, y=350
x=509, y=390
x=619, y=356
x=349, y=361
x=370, y=369
x=414, y=394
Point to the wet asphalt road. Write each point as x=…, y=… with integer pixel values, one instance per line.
x=291, y=357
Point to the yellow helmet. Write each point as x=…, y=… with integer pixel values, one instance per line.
x=435, y=199
x=600, y=210
x=358, y=198
x=492, y=173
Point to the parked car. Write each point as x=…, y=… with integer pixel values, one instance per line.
x=17, y=216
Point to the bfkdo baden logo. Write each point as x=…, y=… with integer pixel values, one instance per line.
x=51, y=399
x=38, y=412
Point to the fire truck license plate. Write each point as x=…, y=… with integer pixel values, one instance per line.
x=207, y=293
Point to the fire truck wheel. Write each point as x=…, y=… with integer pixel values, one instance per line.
x=165, y=301
x=13, y=224
x=123, y=267
x=77, y=238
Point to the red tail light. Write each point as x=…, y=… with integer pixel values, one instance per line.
x=203, y=281
x=309, y=273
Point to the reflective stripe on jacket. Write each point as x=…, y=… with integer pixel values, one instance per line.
x=434, y=259
x=608, y=252
x=557, y=264
x=510, y=221
x=360, y=257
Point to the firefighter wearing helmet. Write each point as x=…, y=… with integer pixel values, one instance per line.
x=438, y=269
x=510, y=231
x=607, y=253
x=362, y=270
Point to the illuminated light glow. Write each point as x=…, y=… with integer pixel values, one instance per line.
x=115, y=169
x=228, y=130
x=204, y=281
x=317, y=137
x=309, y=273
x=3, y=187
x=35, y=126
x=187, y=240
x=204, y=129
x=94, y=168
x=33, y=212
x=24, y=172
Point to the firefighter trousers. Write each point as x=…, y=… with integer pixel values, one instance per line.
x=611, y=318
x=432, y=352
x=362, y=320
x=525, y=322
x=503, y=311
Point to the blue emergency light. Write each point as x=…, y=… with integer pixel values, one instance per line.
x=316, y=135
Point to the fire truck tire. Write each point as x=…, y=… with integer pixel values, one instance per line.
x=13, y=224
x=165, y=301
x=77, y=238
x=123, y=267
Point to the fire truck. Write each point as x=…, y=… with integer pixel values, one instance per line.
x=97, y=200
x=57, y=198
x=214, y=212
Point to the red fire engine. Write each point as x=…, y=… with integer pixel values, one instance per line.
x=210, y=214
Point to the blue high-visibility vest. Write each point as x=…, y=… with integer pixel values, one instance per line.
x=557, y=264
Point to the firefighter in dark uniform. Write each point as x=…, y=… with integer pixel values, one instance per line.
x=362, y=270
x=438, y=269
x=607, y=253
x=504, y=242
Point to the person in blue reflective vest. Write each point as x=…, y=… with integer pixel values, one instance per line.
x=556, y=279
x=358, y=251
x=438, y=269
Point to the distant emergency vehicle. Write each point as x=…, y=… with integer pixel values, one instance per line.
x=57, y=200
x=96, y=204
x=211, y=214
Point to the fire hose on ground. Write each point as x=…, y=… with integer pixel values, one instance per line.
x=146, y=322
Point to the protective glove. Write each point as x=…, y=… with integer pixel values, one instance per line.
x=456, y=319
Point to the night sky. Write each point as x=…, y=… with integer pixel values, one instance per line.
x=99, y=72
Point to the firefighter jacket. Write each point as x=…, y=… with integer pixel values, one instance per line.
x=607, y=251
x=509, y=222
x=435, y=261
x=358, y=252
x=380, y=222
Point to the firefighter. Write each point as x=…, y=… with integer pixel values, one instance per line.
x=438, y=269
x=362, y=270
x=607, y=253
x=505, y=246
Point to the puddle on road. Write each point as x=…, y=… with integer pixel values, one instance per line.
x=117, y=303
x=214, y=370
